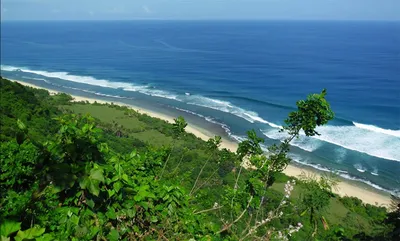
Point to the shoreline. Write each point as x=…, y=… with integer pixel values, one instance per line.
x=344, y=187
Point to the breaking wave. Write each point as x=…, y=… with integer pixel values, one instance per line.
x=343, y=174
x=373, y=128
x=368, y=139
x=373, y=142
x=144, y=89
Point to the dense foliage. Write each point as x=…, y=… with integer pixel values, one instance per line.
x=121, y=175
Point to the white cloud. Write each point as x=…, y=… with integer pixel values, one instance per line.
x=3, y=9
x=117, y=9
x=146, y=9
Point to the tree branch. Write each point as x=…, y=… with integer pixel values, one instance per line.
x=238, y=218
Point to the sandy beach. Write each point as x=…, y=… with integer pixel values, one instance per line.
x=343, y=189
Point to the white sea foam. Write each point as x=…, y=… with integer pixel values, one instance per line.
x=207, y=118
x=152, y=92
x=8, y=68
x=311, y=144
x=343, y=174
x=224, y=106
x=315, y=166
x=83, y=90
x=307, y=144
x=362, y=140
x=360, y=168
x=373, y=128
x=238, y=138
x=369, y=183
x=375, y=172
x=340, y=154
x=97, y=93
x=188, y=111
x=95, y=82
x=371, y=142
x=26, y=77
x=76, y=78
x=220, y=105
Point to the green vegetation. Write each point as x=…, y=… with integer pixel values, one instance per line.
x=79, y=171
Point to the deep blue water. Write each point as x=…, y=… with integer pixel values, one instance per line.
x=237, y=75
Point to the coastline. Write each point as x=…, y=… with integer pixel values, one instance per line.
x=344, y=188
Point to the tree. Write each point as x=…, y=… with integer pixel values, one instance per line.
x=73, y=186
x=393, y=218
x=213, y=145
x=311, y=113
x=178, y=127
x=81, y=190
x=315, y=198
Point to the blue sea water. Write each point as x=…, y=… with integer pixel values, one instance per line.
x=237, y=75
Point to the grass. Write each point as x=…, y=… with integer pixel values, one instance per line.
x=336, y=211
x=334, y=214
x=151, y=130
x=108, y=114
x=145, y=132
x=154, y=137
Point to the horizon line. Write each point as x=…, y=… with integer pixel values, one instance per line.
x=200, y=20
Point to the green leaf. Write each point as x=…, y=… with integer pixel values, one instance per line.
x=154, y=219
x=94, y=188
x=2, y=238
x=111, y=213
x=9, y=227
x=111, y=192
x=92, y=182
x=85, y=128
x=91, y=185
x=143, y=193
x=93, y=232
x=75, y=220
x=166, y=197
x=117, y=186
x=130, y=212
x=118, y=169
x=29, y=233
x=133, y=154
x=144, y=205
x=159, y=207
x=56, y=189
x=90, y=203
x=80, y=231
x=45, y=237
x=21, y=125
x=103, y=146
x=113, y=235
x=125, y=178
x=97, y=174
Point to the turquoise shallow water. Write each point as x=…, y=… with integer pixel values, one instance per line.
x=234, y=76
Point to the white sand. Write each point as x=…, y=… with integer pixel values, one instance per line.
x=343, y=189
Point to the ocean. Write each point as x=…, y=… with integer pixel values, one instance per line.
x=233, y=76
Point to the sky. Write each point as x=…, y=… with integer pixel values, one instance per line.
x=200, y=9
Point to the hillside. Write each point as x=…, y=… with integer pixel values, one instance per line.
x=80, y=171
